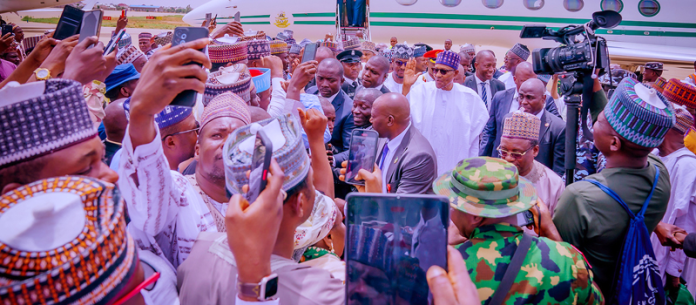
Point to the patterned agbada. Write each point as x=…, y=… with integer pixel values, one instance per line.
x=552, y=272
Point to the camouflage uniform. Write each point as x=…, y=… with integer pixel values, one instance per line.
x=552, y=272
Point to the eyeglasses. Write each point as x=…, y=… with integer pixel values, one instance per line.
x=441, y=71
x=504, y=153
x=198, y=127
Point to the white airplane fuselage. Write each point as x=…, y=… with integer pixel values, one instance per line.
x=21, y=5
x=671, y=28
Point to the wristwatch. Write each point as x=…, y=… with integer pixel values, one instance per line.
x=263, y=291
x=42, y=74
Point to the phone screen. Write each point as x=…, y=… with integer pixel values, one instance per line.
x=69, y=23
x=260, y=161
x=362, y=153
x=7, y=29
x=208, y=18
x=91, y=24
x=237, y=17
x=525, y=218
x=183, y=35
x=391, y=243
x=310, y=52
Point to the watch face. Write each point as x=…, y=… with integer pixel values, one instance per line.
x=42, y=74
x=271, y=287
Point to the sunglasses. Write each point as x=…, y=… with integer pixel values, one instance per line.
x=441, y=71
x=505, y=153
x=401, y=63
x=198, y=127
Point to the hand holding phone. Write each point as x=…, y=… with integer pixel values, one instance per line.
x=7, y=29
x=91, y=24
x=183, y=35
x=362, y=154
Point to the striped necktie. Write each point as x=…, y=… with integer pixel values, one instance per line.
x=484, y=94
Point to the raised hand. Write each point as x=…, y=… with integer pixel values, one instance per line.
x=55, y=57
x=314, y=124
x=275, y=64
x=85, y=64
x=233, y=29
x=373, y=180
x=303, y=74
x=6, y=42
x=410, y=76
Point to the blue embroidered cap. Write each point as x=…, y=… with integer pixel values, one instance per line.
x=419, y=51
x=448, y=58
x=167, y=117
x=120, y=75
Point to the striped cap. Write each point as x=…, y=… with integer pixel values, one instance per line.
x=659, y=84
x=39, y=124
x=681, y=93
x=639, y=114
x=67, y=243
x=223, y=53
x=144, y=36
x=684, y=119
x=278, y=47
x=128, y=55
x=235, y=79
x=331, y=45
x=257, y=49
x=285, y=134
x=522, y=125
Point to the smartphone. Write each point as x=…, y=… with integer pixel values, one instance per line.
x=69, y=23
x=113, y=43
x=183, y=35
x=260, y=161
x=208, y=19
x=361, y=154
x=91, y=24
x=391, y=242
x=525, y=218
x=310, y=52
x=7, y=29
x=237, y=17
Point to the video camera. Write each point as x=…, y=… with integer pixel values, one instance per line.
x=583, y=50
x=580, y=60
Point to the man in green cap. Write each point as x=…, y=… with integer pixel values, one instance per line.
x=506, y=265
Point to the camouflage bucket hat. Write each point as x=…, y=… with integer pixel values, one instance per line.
x=486, y=187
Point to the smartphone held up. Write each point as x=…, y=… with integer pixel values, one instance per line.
x=362, y=154
x=183, y=35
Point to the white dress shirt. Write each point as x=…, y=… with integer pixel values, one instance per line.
x=489, y=94
x=392, y=85
x=393, y=145
x=508, y=80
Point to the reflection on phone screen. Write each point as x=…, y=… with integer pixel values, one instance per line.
x=391, y=244
x=256, y=170
x=362, y=154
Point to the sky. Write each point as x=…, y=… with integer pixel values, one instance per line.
x=176, y=3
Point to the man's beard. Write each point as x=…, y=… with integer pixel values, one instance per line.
x=217, y=174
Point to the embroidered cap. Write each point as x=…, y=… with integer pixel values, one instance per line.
x=681, y=93
x=331, y=45
x=469, y=48
x=38, y=124
x=227, y=104
x=164, y=38
x=257, y=49
x=224, y=53
x=486, y=187
x=401, y=51
x=369, y=46
x=352, y=43
x=522, y=125
x=318, y=225
x=167, y=117
x=67, y=243
x=684, y=119
x=448, y=58
x=419, y=51
x=288, y=150
x=145, y=36
x=261, y=78
x=278, y=47
x=639, y=114
x=295, y=49
x=520, y=50
x=125, y=41
x=305, y=42
x=128, y=55
x=235, y=79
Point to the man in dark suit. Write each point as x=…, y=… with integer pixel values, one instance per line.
x=376, y=71
x=407, y=160
x=483, y=81
x=329, y=78
x=532, y=99
x=350, y=59
x=550, y=103
x=359, y=117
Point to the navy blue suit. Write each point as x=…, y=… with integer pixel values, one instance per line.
x=340, y=138
x=551, y=133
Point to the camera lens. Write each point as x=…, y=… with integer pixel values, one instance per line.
x=183, y=36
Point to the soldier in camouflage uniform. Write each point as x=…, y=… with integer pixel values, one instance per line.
x=485, y=196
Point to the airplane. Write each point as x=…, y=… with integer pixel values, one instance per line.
x=22, y=5
x=662, y=30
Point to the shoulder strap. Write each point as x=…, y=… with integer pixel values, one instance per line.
x=616, y=197
x=512, y=270
x=217, y=216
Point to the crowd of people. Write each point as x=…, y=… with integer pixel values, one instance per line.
x=110, y=195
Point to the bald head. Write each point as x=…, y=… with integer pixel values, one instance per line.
x=523, y=72
x=380, y=62
x=331, y=66
x=115, y=121
x=391, y=115
x=323, y=53
x=368, y=95
x=459, y=78
x=258, y=114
